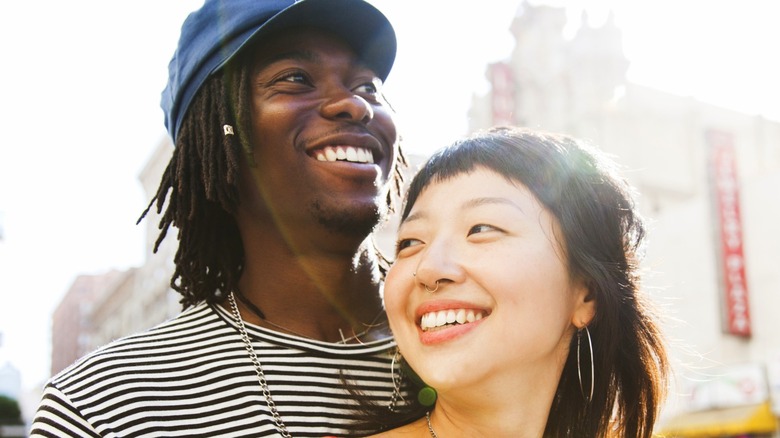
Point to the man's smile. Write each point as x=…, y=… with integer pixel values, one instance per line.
x=351, y=154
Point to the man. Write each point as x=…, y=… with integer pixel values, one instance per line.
x=284, y=154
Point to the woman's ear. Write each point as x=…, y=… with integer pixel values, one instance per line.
x=584, y=306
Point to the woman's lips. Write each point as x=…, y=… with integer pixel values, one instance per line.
x=445, y=318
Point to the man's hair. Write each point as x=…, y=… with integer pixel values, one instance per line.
x=200, y=185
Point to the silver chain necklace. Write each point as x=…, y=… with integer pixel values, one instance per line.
x=259, y=369
x=430, y=428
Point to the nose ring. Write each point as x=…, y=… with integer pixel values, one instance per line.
x=429, y=290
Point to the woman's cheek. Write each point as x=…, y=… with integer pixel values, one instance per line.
x=395, y=295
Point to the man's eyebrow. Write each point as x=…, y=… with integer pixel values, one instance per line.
x=304, y=55
x=294, y=55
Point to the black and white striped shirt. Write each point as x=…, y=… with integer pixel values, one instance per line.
x=192, y=377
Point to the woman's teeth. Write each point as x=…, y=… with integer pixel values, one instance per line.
x=344, y=153
x=442, y=318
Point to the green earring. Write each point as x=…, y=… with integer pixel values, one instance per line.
x=427, y=396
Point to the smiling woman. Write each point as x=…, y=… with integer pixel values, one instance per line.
x=515, y=294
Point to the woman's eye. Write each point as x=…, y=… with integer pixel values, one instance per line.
x=481, y=228
x=405, y=243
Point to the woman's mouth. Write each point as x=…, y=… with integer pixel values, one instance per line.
x=433, y=321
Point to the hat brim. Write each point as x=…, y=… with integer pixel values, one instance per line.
x=364, y=28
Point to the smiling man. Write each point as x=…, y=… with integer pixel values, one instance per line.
x=285, y=152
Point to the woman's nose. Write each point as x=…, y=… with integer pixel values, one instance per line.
x=438, y=267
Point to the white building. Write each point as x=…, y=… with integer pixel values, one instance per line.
x=144, y=297
x=100, y=309
x=709, y=185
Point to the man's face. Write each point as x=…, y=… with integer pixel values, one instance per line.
x=323, y=137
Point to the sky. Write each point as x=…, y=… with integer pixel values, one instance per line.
x=80, y=116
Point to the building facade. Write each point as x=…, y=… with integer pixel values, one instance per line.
x=98, y=309
x=144, y=297
x=72, y=329
x=707, y=180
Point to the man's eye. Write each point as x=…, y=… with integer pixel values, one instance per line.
x=367, y=88
x=294, y=77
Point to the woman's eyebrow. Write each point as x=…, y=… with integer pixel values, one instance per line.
x=414, y=216
x=489, y=200
x=471, y=203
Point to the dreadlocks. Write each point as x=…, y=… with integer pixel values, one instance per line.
x=201, y=186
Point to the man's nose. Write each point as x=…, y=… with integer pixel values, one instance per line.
x=348, y=106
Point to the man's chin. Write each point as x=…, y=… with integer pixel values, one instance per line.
x=355, y=223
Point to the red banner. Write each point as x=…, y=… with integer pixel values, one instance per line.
x=503, y=95
x=732, y=258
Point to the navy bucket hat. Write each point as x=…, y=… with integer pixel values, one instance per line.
x=215, y=33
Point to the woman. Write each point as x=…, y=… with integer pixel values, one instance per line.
x=515, y=294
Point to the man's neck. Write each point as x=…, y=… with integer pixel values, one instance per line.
x=315, y=294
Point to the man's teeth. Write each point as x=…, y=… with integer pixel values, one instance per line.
x=345, y=153
x=453, y=316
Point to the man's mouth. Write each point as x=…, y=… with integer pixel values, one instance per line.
x=350, y=154
x=445, y=318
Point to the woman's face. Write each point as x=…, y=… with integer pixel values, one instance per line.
x=505, y=307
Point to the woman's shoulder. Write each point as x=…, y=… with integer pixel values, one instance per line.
x=417, y=428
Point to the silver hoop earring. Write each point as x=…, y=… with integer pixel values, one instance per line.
x=431, y=290
x=397, y=378
x=579, y=370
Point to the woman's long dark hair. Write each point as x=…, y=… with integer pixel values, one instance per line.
x=602, y=234
x=200, y=185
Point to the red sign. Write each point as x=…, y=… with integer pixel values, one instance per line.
x=503, y=95
x=732, y=260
